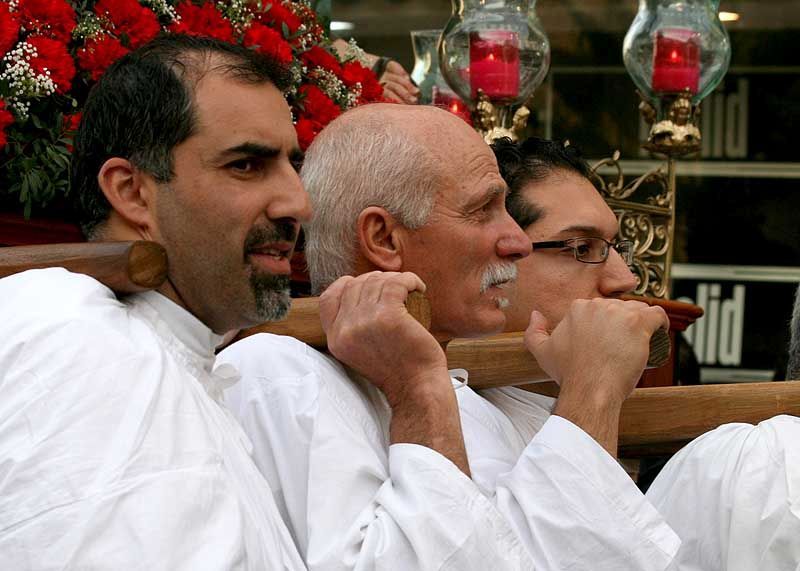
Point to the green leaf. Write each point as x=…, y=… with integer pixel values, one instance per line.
x=23, y=194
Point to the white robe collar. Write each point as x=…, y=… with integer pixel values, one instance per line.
x=189, y=340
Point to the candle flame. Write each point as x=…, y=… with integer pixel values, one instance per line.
x=674, y=55
x=729, y=17
x=491, y=57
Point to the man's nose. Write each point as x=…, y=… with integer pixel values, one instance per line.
x=514, y=243
x=617, y=277
x=290, y=201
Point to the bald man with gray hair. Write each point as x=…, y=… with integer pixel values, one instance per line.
x=381, y=458
x=343, y=193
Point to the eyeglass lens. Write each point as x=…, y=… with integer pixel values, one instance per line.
x=595, y=250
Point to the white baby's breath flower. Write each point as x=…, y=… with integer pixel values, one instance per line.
x=24, y=82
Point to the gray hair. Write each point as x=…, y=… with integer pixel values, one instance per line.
x=793, y=367
x=354, y=164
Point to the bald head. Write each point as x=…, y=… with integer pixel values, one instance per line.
x=429, y=125
x=397, y=157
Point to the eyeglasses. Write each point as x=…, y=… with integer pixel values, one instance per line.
x=591, y=250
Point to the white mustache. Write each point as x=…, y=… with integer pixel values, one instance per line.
x=499, y=275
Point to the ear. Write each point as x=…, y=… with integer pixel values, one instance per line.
x=378, y=238
x=129, y=191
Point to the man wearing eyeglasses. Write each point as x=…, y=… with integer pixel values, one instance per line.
x=571, y=228
x=731, y=494
x=575, y=258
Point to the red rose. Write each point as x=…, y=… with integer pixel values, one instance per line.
x=71, y=122
x=316, y=105
x=129, y=19
x=53, y=57
x=267, y=41
x=353, y=72
x=9, y=29
x=277, y=15
x=6, y=119
x=99, y=53
x=52, y=18
x=320, y=57
x=307, y=130
x=70, y=125
x=203, y=20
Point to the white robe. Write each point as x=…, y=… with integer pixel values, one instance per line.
x=114, y=450
x=733, y=496
x=353, y=501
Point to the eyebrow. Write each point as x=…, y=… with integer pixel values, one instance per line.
x=582, y=229
x=487, y=196
x=251, y=149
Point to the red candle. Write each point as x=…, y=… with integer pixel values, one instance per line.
x=494, y=63
x=448, y=100
x=676, y=61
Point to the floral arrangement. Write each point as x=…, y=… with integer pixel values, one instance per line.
x=52, y=51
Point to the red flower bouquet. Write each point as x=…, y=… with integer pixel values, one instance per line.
x=203, y=20
x=52, y=51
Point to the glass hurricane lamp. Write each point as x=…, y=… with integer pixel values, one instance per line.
x=494, y=54
x=676, y=52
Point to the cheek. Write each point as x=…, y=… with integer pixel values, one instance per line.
x=543, y=288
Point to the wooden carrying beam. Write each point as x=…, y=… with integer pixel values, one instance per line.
x=660, y=420
x=500, y=360
x=125, y=267
x=654, y=420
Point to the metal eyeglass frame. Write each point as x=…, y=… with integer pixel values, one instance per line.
x=626, y=254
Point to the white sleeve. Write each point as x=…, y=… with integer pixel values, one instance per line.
x=353, y=501
x=733, y=496
x=568, y=499
x=92, y=473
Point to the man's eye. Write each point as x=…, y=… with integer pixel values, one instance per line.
x=582, y=248
x=244, y=166
x=495, y=202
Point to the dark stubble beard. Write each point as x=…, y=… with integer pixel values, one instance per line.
x=270, y=292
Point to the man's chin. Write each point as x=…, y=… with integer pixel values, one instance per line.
x=271, y=295
x=489, y=322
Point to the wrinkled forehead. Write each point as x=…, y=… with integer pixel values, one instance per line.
x=465, y=162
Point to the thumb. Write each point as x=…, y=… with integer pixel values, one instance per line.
x=537, y=332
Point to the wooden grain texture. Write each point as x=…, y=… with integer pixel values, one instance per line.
x=662, y=419
x=302, y=321
x=125, y=267
x=495, y=361
x=503, y=360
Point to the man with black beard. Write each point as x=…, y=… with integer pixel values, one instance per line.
x=115, y=451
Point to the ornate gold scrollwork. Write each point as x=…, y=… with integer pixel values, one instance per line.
x=646, y=221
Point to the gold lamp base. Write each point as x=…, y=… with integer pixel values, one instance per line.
x=496, y=121
x=676, y=134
